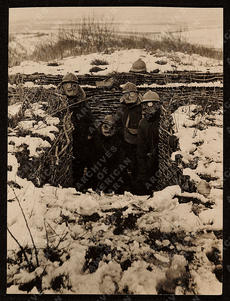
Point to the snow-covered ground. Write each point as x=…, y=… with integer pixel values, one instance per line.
x=108, y=244
x=203, y=144
x=122, y=60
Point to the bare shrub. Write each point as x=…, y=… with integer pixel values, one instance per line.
x=99, y=62
x=16, y=52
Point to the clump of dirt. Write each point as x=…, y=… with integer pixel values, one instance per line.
x=94, y=255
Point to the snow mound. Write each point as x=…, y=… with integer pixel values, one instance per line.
x=121, y=61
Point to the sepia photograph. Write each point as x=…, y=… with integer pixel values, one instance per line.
x=115, y=151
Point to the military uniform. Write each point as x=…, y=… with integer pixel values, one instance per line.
x=109, y=165
x=83, y=128
x=128, y=117
x=147, y=152
x=147, y=147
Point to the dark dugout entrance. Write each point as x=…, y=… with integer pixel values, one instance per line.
x=103, y=94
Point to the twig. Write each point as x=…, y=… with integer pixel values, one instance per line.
x=56, y=155
x=201, y=117
x=61, y=239
x=67, y=138
x=63, y=108
x=52, y=229
x=35, y=249
x=165, y=131
x=47, y=238
x=21, y=247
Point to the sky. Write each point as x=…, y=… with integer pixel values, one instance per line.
x=155, y=15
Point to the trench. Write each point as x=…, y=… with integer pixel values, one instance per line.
x=103, y=101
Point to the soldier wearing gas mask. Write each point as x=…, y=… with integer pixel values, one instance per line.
x=83, y=125
x=108, y=168
x=128, y=117
x=147, y=145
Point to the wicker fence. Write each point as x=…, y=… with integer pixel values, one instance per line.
x=120, y=78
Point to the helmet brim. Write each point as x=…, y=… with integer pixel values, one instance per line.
x=137, y=70
x=151, y=100
x=126, y=91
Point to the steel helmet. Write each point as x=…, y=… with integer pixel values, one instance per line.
x=150, y=96
x=70, y=78
x=129, y=87
x=138, y=66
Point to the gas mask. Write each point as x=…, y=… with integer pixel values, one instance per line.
x=150, y=108
x=107, y=129
x=129, y=97
x=70, y=89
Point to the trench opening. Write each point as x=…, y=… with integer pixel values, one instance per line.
x=54, y=167
x=111, y=174
x=103, y=102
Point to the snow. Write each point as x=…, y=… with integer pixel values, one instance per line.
x=150, y=86
x=206, y=282
x=14, y=110
x=165, y=231
x=52, y=120
x=210, y=154
x=56, y=203
x=84, y=204
x=193, y=176
x=146, y=281
x=35, y=145
x=165, y=200
x=13, y=163
x=176, y=219
x=175, y=85
x=206, y=36
x=26, y=124
x=45, y=128
x=121, y=61
x=45, y=131
x=32, y=85
x=210, y=147
x=213, y=218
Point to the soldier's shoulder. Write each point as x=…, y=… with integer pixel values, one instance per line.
x=82, y=92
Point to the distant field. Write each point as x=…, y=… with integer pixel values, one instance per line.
x=59, y=40
x=210, y=35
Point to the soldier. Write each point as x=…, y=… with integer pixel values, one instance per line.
x=109, y=166
x=83, y=125
x=147, y=146
x=128, y=117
